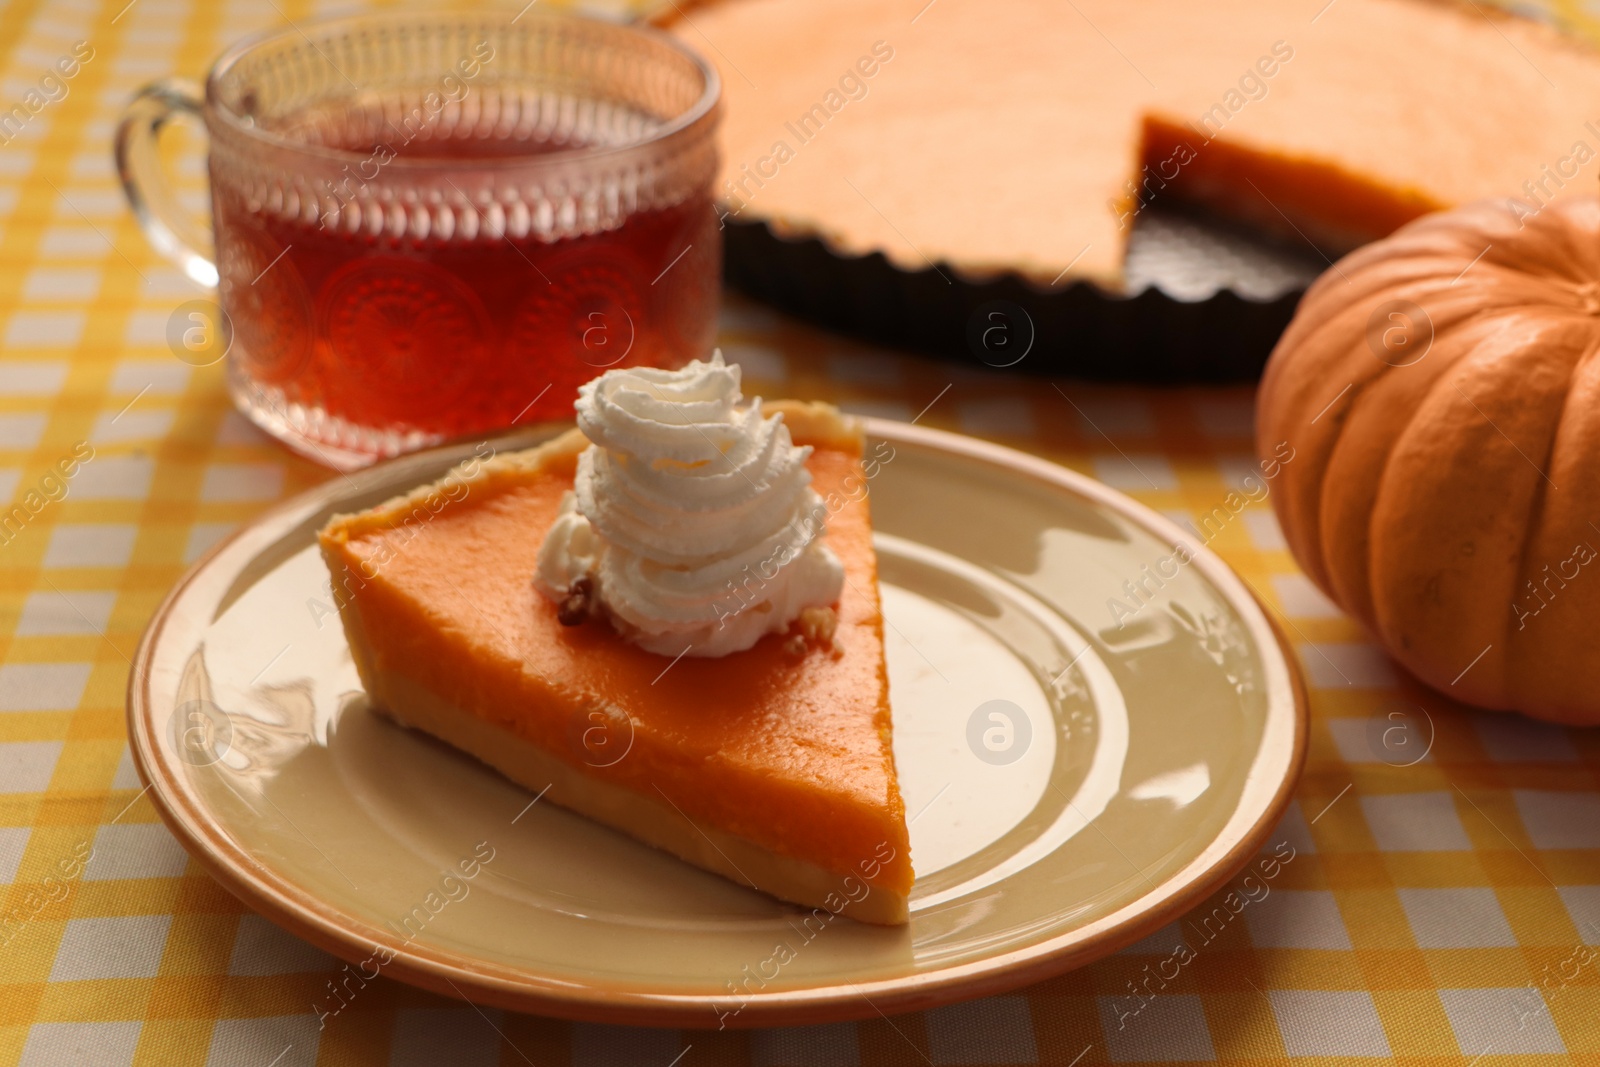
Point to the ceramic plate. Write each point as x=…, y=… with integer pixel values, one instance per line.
x=1076, y=776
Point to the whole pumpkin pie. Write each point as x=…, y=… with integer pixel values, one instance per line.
x=666, y=620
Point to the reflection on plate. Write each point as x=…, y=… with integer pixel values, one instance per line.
x=1074, y=778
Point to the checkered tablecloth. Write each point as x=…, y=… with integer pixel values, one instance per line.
x=1436, y=913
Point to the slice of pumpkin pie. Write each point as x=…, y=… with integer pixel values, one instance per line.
x=667, y=618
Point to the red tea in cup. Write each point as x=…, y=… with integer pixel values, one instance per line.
x=431, y=227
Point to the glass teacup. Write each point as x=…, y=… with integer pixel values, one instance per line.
x=435, y=225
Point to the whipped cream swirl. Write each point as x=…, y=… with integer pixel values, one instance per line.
x=692, y=518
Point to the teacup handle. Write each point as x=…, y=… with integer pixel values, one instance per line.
x=168, y=229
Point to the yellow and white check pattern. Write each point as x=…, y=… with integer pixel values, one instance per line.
x=1446, y=912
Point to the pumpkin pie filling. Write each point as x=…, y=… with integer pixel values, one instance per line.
x=771, y=766
x=1027, y=136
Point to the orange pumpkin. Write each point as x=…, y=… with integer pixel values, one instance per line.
x=1441, y=392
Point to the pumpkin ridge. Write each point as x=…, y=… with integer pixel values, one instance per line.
x=1420, y=398
x=1328, y=487
x=1530, y=534
x=1324, y=333
x=1457, y=370
x=1385, y=469
x=1538, y=512
x=1376, y=514
x=1320, y=567
x=1325, y=486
